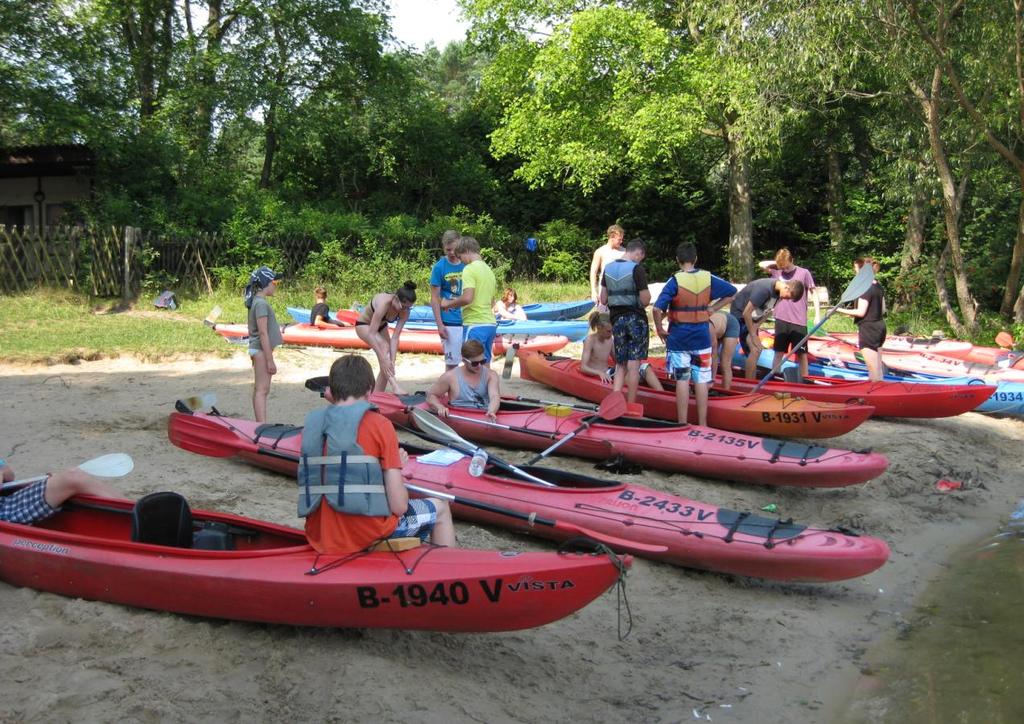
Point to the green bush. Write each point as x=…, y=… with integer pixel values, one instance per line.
x=561, y=266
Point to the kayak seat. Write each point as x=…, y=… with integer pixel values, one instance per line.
x=163, y=519
x=397, y=544
x=792, y=374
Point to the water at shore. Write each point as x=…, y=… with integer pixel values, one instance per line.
x=960, y=655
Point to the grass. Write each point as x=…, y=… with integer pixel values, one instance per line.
x=53, y=326
x=50, y=326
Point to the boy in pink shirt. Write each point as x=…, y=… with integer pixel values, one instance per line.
x=790, y=315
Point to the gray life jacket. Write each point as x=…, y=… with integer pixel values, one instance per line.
x=334, y=468
x=618, y=278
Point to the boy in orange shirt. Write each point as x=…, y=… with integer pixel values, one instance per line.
x=351, y=491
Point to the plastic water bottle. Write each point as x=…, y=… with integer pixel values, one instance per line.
x=478, y=463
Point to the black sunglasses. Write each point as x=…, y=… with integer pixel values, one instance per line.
x=473, y=362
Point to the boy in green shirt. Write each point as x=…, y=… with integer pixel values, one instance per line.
x=477, y=298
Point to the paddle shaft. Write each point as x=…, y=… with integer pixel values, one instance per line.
x=544, y=453
x=533, y=518
x=24, y=481
x=573, y=405
x=501, y=426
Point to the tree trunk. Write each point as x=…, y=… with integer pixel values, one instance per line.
x=917, y=222
x=943, y=293
x=952, y=196
x=270, y=145
x=914, y=237
x=836, y=198
x=741, y=224
x=1016, y=260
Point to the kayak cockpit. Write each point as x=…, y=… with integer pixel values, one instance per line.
x=107, y=522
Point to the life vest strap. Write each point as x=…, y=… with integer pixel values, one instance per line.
x=333, y=489
x=338, y=459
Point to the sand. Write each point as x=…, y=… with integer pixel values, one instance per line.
x=704, y=645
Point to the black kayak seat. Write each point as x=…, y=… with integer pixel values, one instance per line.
x=792, y=374
x=163, y=519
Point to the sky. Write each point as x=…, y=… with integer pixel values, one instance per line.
x=418, y=22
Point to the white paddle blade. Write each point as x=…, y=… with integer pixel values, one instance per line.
x=198, y=402
x=213, y=316
x=113, y=465
x=433, y=426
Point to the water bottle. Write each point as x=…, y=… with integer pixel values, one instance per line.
x=478, y=463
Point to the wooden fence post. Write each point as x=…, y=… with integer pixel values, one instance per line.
x=131, y=233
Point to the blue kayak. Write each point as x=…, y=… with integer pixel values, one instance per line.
x=539, y=312
x=575, y=331
x=1008, y=399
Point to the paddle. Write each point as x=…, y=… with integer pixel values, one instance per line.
x=196, y=402
x=612, y=407
x=1004, y=340
x=533, y=519
x=206, y=437
x=112, y=465
x=212, y=317
x=510, y=358
x=856, y=289
x=444, y=434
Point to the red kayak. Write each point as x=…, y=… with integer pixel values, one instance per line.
x=271, y=575
x=890, y=399
x=411, y=340
x=759, y=414
x=632, y=518
x=918, y=362
x=690, y=449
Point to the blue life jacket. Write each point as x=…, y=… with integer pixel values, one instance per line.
x=618, y=278
x=334, y=468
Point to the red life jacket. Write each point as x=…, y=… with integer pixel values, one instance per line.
x=693, y=295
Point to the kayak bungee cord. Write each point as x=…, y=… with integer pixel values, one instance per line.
x=621, y=597
x=771, y=527
x=427, y=548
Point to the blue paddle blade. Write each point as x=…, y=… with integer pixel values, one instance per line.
x=859, y=286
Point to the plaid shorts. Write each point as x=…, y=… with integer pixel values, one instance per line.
x=680, y=362
x=632, y=337
x=27, y=505
x=418, y=520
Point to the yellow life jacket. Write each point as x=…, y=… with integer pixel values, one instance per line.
x=693, y=294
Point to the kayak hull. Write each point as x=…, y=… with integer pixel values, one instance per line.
x=1008, y=398
x=573, y=331
x=412, y=341
x=541, y=311
x=682, y=532
x=822, y=349
x=690, y=449
x=88, y=553
x=759, y=414
x=890, y=398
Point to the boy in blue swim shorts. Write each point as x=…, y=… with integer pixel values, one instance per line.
x=624, y=290
x=687, y=298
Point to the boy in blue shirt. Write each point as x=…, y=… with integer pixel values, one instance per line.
x=687, y=298
x=446, y=283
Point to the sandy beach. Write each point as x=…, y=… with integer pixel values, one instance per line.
x=704, y=646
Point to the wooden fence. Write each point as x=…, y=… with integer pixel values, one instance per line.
x=114, y=262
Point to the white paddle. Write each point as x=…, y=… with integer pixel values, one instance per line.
x=112, y=465
x=437, y=430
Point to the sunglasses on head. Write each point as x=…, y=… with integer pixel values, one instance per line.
x=473, y=362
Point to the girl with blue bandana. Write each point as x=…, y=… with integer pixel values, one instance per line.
x=264, y=336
